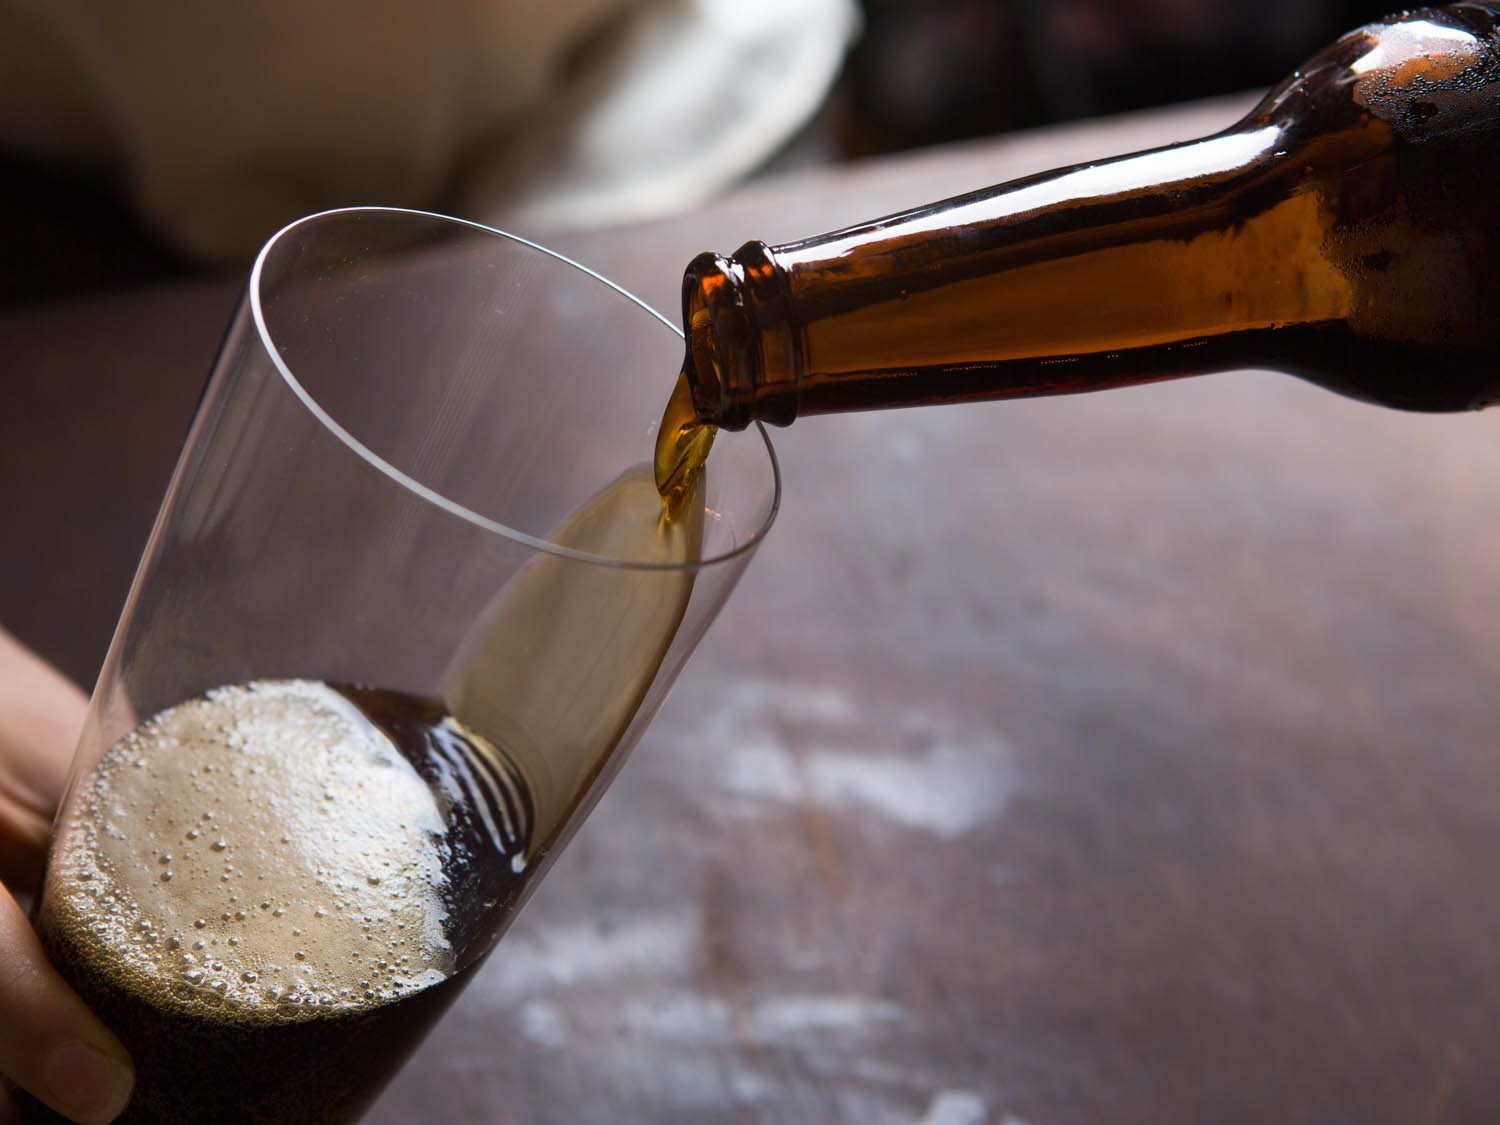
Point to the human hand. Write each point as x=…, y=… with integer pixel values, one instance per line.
x=50, y=1043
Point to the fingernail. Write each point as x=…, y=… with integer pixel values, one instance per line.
x=87, y=1084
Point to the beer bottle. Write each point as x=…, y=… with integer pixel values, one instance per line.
x=1346, y=231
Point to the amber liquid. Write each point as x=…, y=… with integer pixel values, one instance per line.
x=682, y=447
x=557, y=666
x=269, y=951
x=209, y=926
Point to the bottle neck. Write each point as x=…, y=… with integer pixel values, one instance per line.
x=1343, y=232
x=1094, y=276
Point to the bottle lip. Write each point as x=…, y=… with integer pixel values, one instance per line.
x=718, y=360
x=740, y=362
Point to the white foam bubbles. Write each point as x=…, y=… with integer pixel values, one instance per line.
x=272, y=828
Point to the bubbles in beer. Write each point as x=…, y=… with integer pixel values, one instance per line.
x=334, y=873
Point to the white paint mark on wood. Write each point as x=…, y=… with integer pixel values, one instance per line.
x=787, y=743
x=679, y=1016
x=709, y=1021
x=646, y=945
x=947, y=792
x=543, y=1025
x=763, y=770
x=957, y=1107
x=776, y=1021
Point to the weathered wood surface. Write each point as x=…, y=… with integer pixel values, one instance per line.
x=1128, y=758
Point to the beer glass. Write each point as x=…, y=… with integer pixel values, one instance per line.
x=408, y=602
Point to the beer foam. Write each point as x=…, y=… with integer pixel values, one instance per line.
x=262, y=852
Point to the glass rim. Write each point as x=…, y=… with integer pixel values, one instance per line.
x=431, y=495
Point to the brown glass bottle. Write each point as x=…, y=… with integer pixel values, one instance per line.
x=1346, y=231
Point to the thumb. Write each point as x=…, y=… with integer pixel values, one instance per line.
x=51, y=1045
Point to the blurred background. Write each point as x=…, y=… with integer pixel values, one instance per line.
x=138, y=143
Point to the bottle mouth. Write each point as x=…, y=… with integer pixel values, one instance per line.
x=740, y=362
x=719, y=359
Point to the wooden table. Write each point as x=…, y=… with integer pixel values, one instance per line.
x=1127, y=758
